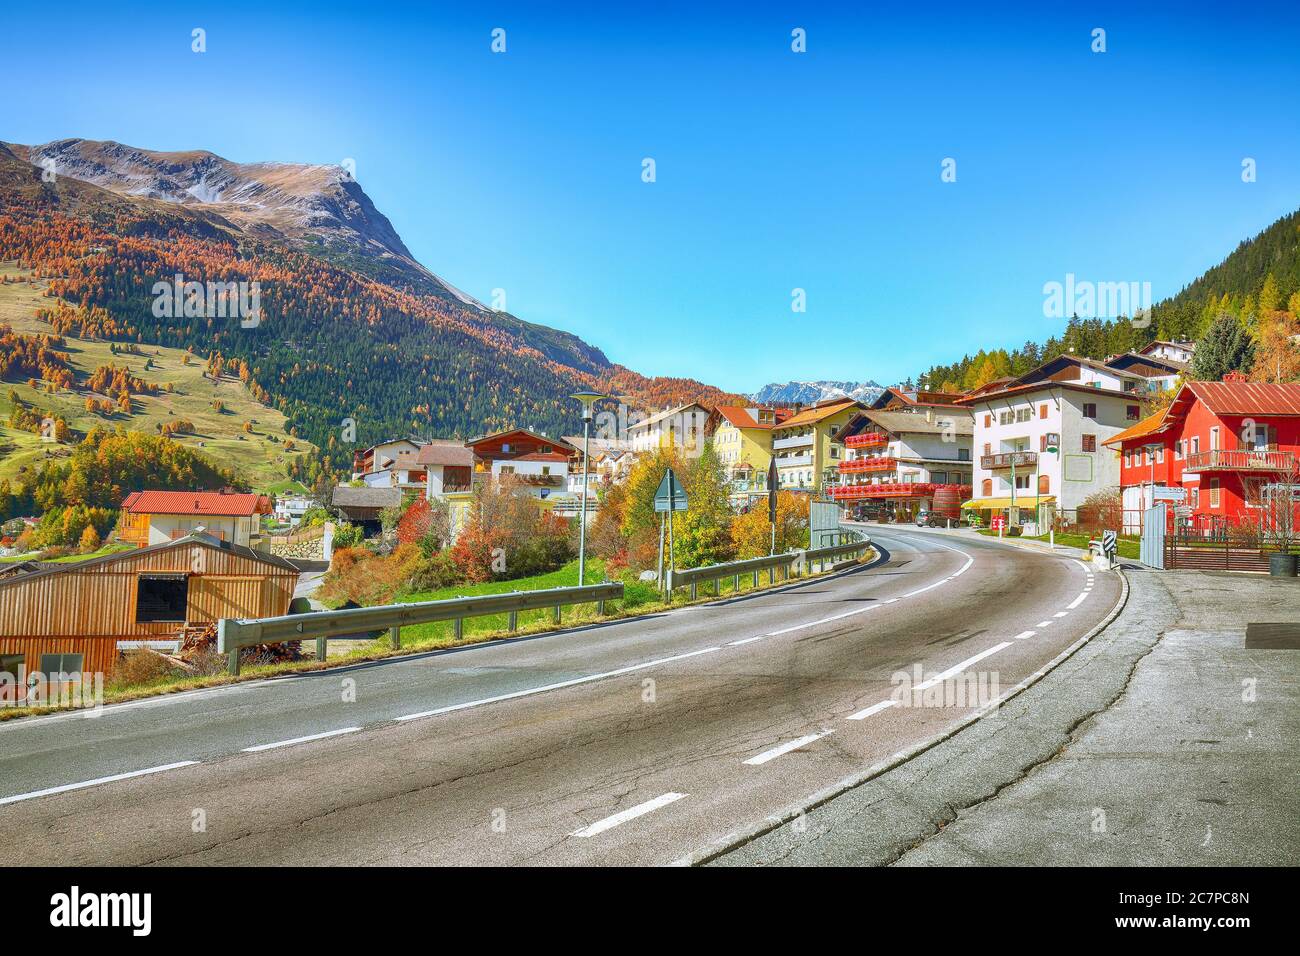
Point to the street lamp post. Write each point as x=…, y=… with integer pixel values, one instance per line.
x=588, y=400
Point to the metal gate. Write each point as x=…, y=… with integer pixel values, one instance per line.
x=1154, y=521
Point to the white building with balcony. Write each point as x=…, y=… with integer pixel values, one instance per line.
x=685, y=428
x=1038, y=440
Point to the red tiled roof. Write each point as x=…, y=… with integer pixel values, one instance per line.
x=820, y=411
x=1248, y=398
x=740, y=417
x=1148, y=426
x=196, y=503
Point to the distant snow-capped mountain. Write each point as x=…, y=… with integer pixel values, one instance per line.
x=809, y=393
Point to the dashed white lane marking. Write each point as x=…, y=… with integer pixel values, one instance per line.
x=958, y=668
x=824, y=620
x=873, y=709
x=1043, y=624
x=970, y=559
x=785, y=748
x=529, y=691
x=1024, y=634
x=300, y=740
x=1060, y=614
x=631, y=813
x=1077, y=601
x=17, y=798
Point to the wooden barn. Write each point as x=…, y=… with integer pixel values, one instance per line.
x=68, y=618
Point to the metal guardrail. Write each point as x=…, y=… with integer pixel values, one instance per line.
x=820, y=556
x=233, y=634
x=682, y=577
x=795, y=562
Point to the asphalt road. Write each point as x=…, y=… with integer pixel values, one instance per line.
x=635, y=742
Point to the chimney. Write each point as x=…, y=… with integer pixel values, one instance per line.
x=1234, y=377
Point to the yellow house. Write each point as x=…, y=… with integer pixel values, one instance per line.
x=743, y=442
x=805, y=445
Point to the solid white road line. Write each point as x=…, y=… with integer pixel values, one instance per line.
x=631, y=813
x=1024, y=634
x=746, y=640
x=528, y=692
x=958, y=668
x=17, y=798
x=1077, y=601
x=873, y=709
x=300, y=740
x=785, y=748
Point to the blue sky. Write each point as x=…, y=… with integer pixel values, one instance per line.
x=775, y=170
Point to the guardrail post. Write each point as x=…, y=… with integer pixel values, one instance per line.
x=735, y=584
x=395, y=638
x=514, y=621
x=458, y=628
x=557, y=614
x=600, y=608
x=226, y=630
x=694, y=591
x=322, y=649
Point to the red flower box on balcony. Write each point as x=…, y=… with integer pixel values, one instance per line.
x=868, y=464
x=867, y=440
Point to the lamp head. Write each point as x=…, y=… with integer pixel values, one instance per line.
x=588, y=400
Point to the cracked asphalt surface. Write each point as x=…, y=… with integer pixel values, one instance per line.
x=1163, y=741
x=512, y=781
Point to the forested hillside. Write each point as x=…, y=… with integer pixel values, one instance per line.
x=332, y=348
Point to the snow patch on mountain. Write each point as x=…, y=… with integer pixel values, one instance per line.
x=809, y=393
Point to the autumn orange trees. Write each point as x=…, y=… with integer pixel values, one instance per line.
x=751, y=533
x=508, y=535
x=34, y=356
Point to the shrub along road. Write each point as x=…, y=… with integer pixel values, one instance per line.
x=636, y=741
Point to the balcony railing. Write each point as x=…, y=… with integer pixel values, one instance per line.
x=796, y=441
x=794, y=461
x=867, y=440
x=893, y=489
x=1240, y=459
x=1009, y=458
x=857, y=465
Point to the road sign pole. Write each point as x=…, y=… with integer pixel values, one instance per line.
x=659, y=568
x=671, y=549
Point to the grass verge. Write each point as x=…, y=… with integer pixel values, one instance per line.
x=1128, y=544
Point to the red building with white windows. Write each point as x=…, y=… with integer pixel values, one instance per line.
x=1220, y=447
